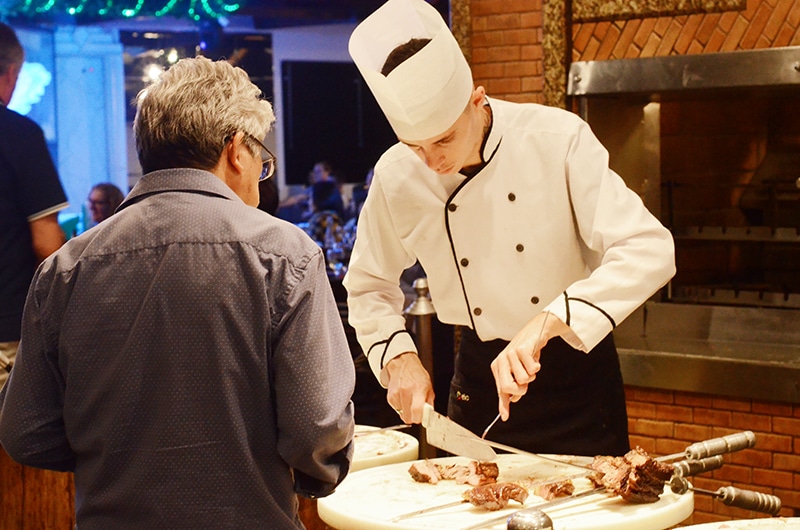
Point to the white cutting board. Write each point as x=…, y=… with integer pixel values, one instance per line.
x=767, y=523
x=370, y=498
x=382, y=448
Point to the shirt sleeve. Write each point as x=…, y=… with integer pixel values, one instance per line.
x=631, y=253
x=31, y=423
x=40, y=189
x=374, y=297
x=314, y=383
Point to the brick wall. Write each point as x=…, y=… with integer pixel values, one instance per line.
x=507, y=52
x=666, y=422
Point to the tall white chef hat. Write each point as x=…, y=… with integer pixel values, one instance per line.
x=426, y=93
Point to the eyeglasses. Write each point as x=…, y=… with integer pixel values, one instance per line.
x=267, y=160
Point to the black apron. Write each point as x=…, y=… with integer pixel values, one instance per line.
x=575, y=406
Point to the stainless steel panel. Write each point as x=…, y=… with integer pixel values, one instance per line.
x=740, y=69
x=730, y=351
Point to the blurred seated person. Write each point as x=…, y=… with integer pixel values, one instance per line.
x=357, y=202
x=269, y=199
x=104, y=198
x=298, y=207
x=327, y=217
x=322, y=172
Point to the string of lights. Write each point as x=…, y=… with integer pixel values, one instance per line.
x=196, y=10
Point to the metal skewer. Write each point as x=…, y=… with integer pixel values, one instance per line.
x=690, y=468
x=463, y=501
x=538, y=340
x=541, y=506
x=685, y=468
x=715, y=446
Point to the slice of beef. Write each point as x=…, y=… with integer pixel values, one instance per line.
x=475, y=473
x=425, y=471
x=495, y=496
x=548, y=492
x=480, y=473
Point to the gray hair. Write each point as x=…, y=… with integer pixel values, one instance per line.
x=187, y=116
x=11, y=51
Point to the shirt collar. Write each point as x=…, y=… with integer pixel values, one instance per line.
x=185, y=180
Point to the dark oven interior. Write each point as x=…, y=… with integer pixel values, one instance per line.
x=719, y=165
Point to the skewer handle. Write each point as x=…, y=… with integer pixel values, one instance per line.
x=732, y=496
x=750, y=500
x=689, y=468
x=718, y=446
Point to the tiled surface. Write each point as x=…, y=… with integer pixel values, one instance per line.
x=763, y=24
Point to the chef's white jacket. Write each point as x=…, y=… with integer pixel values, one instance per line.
x=544, y=226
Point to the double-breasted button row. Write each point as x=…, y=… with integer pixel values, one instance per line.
x=478, y=311
x=465, y=262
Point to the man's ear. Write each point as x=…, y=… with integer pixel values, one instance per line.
x=8, y=81
x=234, y=152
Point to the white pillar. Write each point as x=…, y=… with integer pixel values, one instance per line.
x=90, y=110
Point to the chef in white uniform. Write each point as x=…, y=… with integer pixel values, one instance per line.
x=527, y=238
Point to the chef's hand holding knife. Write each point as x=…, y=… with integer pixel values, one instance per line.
x=516, y=366
x=409, y=388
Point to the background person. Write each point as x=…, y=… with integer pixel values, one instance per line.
x=103, y=200
x=522, y=230
x=31, y=196
x=185, y=358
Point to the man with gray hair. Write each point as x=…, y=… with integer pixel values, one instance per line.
x=186, y=358
x=31, y=196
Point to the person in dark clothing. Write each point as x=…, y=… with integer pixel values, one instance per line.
x=31, y=195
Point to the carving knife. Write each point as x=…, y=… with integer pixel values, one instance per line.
x=444, y=433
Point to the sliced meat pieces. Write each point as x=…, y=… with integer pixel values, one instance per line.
x=496, y=496
x=548, y=492
x=425, y=471
x=475, y=473
x=636, y=477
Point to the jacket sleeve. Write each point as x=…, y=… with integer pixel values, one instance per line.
x=631, y=254
x=314, y=380
x=374, y=297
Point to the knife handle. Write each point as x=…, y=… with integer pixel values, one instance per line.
x=718, y=446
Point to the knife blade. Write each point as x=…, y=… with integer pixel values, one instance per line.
x=510, y=449
x=444, y=433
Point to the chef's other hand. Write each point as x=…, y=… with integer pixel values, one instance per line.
x=409, y=388
x=516, y=366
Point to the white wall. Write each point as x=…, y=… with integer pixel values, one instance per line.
x=90, y=102
x=309, y=43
